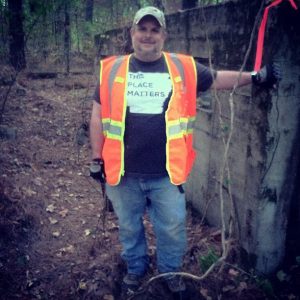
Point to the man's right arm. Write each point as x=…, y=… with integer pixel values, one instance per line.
x=96, y=133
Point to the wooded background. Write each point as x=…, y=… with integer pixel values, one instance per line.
x=34, y=29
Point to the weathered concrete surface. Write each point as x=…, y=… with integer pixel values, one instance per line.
x=282, y=140
x=264, y=150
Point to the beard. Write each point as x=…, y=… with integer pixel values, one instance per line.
x=145, y=53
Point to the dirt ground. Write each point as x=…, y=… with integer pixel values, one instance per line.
x=56, y=239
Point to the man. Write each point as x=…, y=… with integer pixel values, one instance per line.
x=141, y=137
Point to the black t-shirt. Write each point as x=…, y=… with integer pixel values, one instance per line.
x=149, y=90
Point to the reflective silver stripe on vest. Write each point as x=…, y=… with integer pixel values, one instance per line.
x=110, y=128
x=190, y=124
x=112, y=76
x=114, y=71
x=174, y=129
x=179, y=65
x=105, y=126
x=182, y=127
x=115, y=130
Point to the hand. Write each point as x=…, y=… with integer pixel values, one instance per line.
x=269, y=75
x=97, y=171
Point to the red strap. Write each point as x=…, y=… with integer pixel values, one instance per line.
x=293, y=4
x=261, y=32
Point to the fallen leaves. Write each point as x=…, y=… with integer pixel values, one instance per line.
x=228, y=288
x=55, y=195
x=69, y=249
x=63, y=213
x=82, y=285
x=242, y=286
x=49, y=183
x=204, y=293
x=52, y=221
x=38, y=181
x=56, y=233
x=233, y=272
x=29, y=192
x=87, y=232
x=50, y=208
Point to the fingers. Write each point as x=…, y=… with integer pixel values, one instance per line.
x=276, y=69
x=97, y=170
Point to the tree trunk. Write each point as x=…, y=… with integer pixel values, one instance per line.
x=89, y=10
x=77, y=32
x=67, y=42
x=16, y=41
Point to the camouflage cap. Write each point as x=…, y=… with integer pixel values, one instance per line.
x=150, y=11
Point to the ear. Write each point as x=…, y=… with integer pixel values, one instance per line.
x=165, y=34
x=132, y=31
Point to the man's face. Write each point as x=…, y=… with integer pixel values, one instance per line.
x=148, y=38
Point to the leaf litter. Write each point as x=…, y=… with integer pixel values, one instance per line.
x=53, y=212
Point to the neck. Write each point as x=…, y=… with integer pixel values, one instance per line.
x=148, y=58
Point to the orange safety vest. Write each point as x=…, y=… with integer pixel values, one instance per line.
x=180, y=115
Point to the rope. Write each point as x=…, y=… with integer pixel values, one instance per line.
x=261, y=32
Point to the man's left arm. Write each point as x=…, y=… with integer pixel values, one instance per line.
x=227, y=79
x=267, y=76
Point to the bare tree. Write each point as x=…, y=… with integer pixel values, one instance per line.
x=16, y=35
x=67, y=40
x=89, y=10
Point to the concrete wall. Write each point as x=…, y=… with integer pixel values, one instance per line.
x=264, y=151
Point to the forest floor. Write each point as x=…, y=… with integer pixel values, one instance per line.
x=56, y=239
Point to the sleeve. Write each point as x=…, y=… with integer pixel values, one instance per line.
x=205, y=77
x=97, y=92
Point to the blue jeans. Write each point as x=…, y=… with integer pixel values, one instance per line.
x=167, y=213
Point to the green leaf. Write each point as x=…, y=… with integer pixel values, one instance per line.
x=207, y=260
x=281, y=276
x=266, y=286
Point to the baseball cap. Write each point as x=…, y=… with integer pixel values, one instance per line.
x=150, y=11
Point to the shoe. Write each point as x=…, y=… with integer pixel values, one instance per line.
x=130, y=284
x=177, y=287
